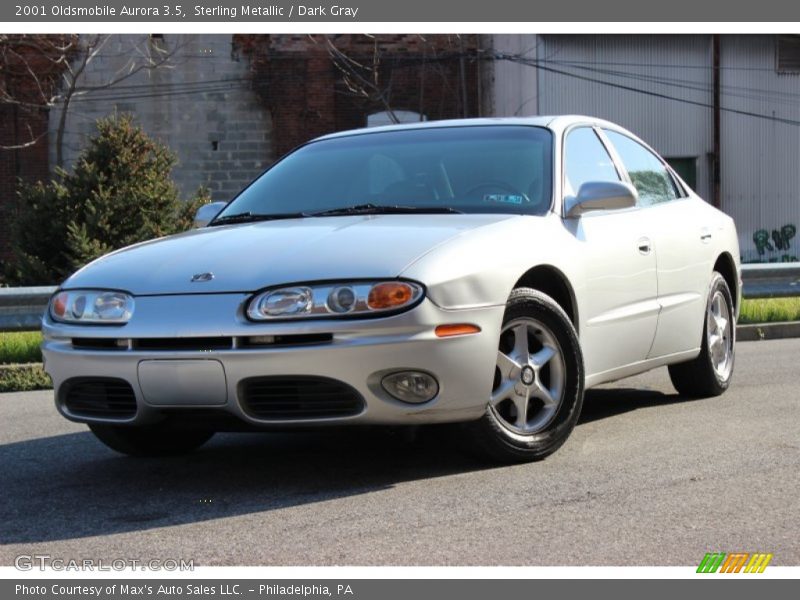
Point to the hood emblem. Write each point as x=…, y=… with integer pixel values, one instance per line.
x=201, y=277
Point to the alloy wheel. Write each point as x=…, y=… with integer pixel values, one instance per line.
x=530, y=376
x=719, y=328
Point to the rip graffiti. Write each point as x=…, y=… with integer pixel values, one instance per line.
x=780, y=242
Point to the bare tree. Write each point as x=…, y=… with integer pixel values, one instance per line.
x=49, y=71
x=370, y=74
x=30, y=70
x=363, y=79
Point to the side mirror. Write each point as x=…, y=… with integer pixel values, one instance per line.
x=207, y=212
x=601, y=195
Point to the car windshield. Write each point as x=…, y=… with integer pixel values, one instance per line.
x=474, y=169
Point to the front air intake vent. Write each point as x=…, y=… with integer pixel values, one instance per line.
x=99, y=397
x=298, y=398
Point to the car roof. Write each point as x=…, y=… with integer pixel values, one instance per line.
x=554, y=122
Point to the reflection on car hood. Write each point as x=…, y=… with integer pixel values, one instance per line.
x=251, y=256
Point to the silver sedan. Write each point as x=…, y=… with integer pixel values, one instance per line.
x=479, y=272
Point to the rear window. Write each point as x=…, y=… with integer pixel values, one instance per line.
x=476, y=169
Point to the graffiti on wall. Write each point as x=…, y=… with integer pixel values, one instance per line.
x=774, y=246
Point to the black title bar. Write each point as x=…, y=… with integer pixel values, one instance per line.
x=377, y=11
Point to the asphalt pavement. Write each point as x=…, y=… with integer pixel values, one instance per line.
x=647, y=478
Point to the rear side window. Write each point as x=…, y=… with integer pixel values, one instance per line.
x=586, y=159
x=648, y=174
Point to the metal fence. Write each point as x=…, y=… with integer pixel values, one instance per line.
x=21, y=309
x=771, y=280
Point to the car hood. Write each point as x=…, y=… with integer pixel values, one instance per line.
x=251, y=256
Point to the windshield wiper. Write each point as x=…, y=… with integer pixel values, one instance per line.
x=357, y=209
x=249, y=217
x=375, y=209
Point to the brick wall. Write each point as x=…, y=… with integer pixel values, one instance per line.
x=29, y=164
x=309, y=96
x=24, y=116
x=202, y=107
x=230, y=105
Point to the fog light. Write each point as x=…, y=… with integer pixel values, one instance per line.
x=411, y=386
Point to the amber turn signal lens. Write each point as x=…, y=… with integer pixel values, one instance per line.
x=456, y=329
x=390, y=295
x=60, y=304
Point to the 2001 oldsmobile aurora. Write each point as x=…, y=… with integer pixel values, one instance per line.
x=478, y=271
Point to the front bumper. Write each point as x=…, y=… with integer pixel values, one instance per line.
x=359, y=353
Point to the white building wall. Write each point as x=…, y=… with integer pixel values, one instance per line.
x=760, y=156
x=600, y=68
x=670, y=107
x=588, y=74
x=516, y=89
x=202, y=107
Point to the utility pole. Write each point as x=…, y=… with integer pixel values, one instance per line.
x=717, y=196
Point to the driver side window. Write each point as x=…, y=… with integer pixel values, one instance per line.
x=586, y=159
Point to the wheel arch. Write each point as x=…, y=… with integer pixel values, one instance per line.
x=552, y=281
x=726, y=266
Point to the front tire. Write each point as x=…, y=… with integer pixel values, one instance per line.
x=537, y=392
x=710, y=373
x=150, y=440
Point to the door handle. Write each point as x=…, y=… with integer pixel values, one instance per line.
x=644, y=246
x=705, y=235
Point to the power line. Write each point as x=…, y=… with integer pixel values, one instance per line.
x=116, y=93
x=131, y=92
x=757, y=94
x=733, y=91
x=534, y=64
x=162, y=94
x=662, y=65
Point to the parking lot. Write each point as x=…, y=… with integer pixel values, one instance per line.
x=646, y=478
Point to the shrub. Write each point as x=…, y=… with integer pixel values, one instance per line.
x=23, y=378
x=120, y=192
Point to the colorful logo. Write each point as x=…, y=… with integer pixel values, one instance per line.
x=735, y=562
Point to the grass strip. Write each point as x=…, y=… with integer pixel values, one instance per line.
x=20, y=347
x=769, y=310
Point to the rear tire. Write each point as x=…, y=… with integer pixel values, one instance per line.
x=710, y=373
x=150, y=440
x=538, y=385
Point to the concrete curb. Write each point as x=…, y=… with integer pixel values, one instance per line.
x=768, y=331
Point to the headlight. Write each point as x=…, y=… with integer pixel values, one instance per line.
x=358, y=298
x=91, y=307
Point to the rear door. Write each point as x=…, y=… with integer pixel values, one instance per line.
x=618, y=300
x=681, y=233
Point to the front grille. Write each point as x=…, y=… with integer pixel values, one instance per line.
x=298, y=397
x=99, y=397
x=201, y=344
x=295, y=339
x=100, y=343
x=184, y=343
